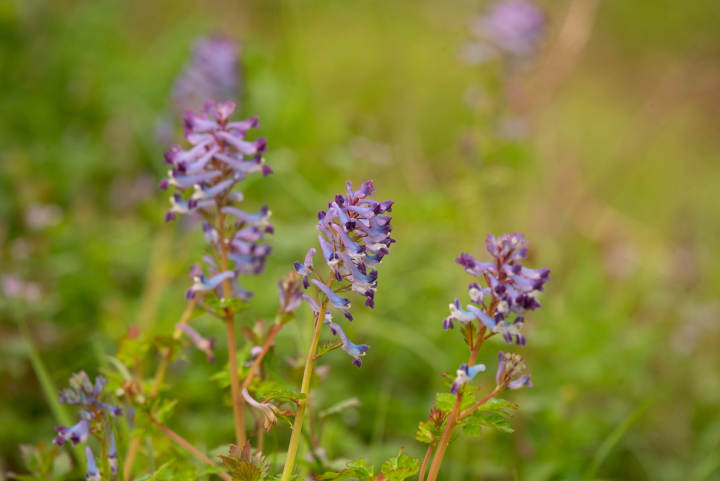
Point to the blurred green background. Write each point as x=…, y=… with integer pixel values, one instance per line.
x=615, y=182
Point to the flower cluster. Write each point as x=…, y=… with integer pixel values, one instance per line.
x=512, y=371
x=212, y=73
x=203, y=176
x=511, y=27
x=354, y=236
x=94, y=418
x=509, y=288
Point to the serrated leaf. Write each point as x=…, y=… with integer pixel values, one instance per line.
x=355, y=470
x=445, y=401
x=494, y=414
x=400, y=467
x=426, y=432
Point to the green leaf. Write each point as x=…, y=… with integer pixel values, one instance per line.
x=494, y=414
x=400, y=467
x=156, y=475
x=355, y=470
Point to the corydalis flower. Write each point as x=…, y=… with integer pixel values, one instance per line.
x=356, y=351
x=212, y=73
x=95, y=417
x=510, y=289
x=290, y=292
x=268, y=410
x=354, y=237
x=203, y=344
x=92, y=470
x=512, y=27
x=464, y=375
x=512, y=371
x=203, y=177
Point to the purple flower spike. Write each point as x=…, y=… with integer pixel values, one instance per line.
x=218, y=158
x=211, y=74
x=511, y=28
x=510, y=288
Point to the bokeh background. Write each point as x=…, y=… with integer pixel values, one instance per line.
x=605, y=153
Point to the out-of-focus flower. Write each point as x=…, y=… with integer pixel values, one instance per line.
x=41, y=216
x=203, y=176
x=510, y=289
x=268, y=410
x=356, y=351
x=464, y=375
x=512, y=371
x=212, y=73
x=203, y=344
x=92, y=470
x=95, y=417
x=290, y=292
x=512, y=28
x=15, y=288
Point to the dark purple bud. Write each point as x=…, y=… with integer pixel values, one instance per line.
x=164, y=184
x=321, y=214
x=348, y=315
x=357, y=362
x=169, y=215
x=339, y=200
x=267, y=170
x=350, y=226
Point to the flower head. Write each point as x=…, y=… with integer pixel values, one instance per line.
x=512, y=371
x=212, y=73
x=511, y=27
x=92, y=470
x=203, y=177
x=509, y=289
x=268, y=410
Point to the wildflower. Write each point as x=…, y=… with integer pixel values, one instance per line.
x=354, y=237
x=510, y=288
x=268, y=410
x=75, y=434
x=112, y=454
x=465, y=374
x=290, y=292
x=203, y=344
x=203, y=177
x=210, y=74
x=356, y=351
x=306, y=269
x=512, y=28
x=511, y=372
x=92, y=470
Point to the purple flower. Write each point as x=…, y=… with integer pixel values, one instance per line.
x=512, y=371
x=509, y=290
x=356, y=351
x=354, y=237
x=92, y=470
x=212, y=73
x=290, y=292
x=511, y=27
x=112, y=454
x=464, y=375
x=204, y=176
x=203, y=344
x=75, y=434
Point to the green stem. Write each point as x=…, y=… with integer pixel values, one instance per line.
x=305, y=389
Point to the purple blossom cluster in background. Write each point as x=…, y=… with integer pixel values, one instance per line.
x=354, y=237
x=511, y=28
x=94, y=417
x=211, y=73
x=203, y=177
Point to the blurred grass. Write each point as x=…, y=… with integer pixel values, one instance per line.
x=616, y=187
